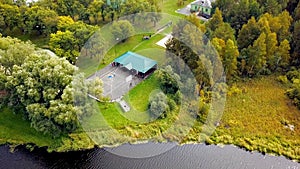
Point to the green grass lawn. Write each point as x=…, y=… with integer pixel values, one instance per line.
x=138, y=97
x=110, y=114
x=147, y=48
x=15, y=130
x=170, y=6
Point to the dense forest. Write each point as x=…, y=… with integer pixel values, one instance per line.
x=252, y=38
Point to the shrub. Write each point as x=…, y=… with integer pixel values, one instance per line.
x=294, y=93
x=234, y=90
x=158, y=105
x=294, y=74
x=169, y=81
x=283, y=79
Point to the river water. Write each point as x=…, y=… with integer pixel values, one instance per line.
x=179, y=157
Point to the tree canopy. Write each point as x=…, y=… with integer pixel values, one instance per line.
x=41, y=86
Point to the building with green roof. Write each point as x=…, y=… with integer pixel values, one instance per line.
x=134, y=62
x=204, y=8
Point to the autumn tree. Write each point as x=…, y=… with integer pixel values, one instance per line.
x=230, y=59
x=283, y=54
x=271, y=48
x=219, y=45
x=228, y=54
x=195, y=20
x=256, y=60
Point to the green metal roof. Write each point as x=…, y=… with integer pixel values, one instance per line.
x=135, y=61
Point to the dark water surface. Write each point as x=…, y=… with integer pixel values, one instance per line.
x=180, y=157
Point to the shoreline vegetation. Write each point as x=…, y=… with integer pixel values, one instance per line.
x=257, y=117
x=262, y=130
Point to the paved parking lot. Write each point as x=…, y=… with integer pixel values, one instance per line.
x=114, y=81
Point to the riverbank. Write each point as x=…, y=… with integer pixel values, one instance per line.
x=254, y=120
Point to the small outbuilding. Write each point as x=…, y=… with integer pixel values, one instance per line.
x=137, y=64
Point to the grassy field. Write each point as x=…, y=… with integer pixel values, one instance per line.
x=15, y=130
x=257, y=119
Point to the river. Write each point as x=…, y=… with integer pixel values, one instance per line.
x=179, y=157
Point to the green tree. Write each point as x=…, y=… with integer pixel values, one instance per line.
x=226, y=6
x=158, y=105
x=248, y=34
x=42, y=20
x=42, y=86
x=225, y=32
x=64, y=23
x=216, y=20
x=38, y=85
x=13, y=52
x=10, y=18
x=271, y=6
x=169, y=80
x=297, y=12
x=64, y=44
x=187, y=45
x=296, y=44
x=240, y=14
x=122, y=30
x=77, y=9
x=94, y=10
